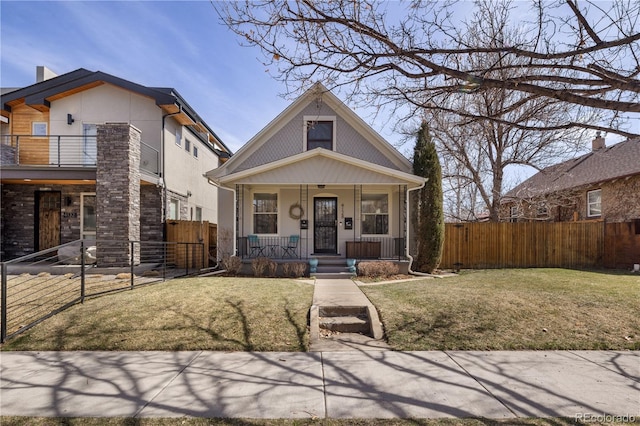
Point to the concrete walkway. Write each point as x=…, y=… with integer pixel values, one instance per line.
x=356, y=384
x=340, y=293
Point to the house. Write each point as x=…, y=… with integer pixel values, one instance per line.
x=316, y=181
x=603, y=185
x=89, y=155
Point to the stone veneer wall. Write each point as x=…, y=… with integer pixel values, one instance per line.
x=117, y=193
x=18, y=204
x=151, y=226
x=17, y=220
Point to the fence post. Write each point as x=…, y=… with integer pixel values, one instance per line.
x=82, y=269
x=131, y=262
x=3, y=315
x=186, y=252
x=164, y=261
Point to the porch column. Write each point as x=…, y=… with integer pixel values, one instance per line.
x=117, y=194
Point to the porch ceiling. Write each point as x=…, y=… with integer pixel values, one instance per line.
x=321, y=167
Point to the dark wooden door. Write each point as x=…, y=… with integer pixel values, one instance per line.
x=325, y=225
x=48, y=219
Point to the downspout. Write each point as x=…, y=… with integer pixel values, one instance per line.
x=162, y=164
x=235, y=202
x=409, y=230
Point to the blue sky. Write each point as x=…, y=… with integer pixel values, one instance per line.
x=155, y=43
x=179, y=44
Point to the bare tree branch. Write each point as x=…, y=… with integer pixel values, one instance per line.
x=583, y=54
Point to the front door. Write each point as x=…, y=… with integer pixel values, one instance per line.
x=325, y=225
x=48, y=219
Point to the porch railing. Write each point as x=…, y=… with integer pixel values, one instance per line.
x=63, y=151
x=276, y=247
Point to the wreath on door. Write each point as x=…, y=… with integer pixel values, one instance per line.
x=296, y=211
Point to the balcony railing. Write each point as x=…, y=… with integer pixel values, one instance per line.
x=63, y=151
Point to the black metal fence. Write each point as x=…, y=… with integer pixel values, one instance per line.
x=38, y=286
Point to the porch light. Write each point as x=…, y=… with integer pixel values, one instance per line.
x=70, y=119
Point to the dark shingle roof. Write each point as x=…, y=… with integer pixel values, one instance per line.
x=617, y=161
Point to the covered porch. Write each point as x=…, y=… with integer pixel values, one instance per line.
x=320, y=203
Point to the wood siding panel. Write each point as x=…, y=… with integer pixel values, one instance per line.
x=32, y=150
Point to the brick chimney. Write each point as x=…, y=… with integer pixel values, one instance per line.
x=597, y=143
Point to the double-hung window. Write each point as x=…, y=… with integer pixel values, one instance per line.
x=319, y=134
x=265, y=213
x=594, y=203
x=375, y=214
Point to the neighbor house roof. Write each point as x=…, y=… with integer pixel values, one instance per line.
x=40, y=95
x=617, y=161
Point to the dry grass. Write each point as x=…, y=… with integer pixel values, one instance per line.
x=227, y=314
x=483, y=310
x=512, y=309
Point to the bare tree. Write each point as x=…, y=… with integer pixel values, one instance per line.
x=481, y=150
x=415, y=53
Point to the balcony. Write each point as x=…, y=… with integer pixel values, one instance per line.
x=72, y=151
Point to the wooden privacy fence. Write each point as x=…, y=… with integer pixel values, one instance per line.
x=523, y=245
x=541, y=244
x=184, y=231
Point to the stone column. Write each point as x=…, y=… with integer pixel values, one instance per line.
x=117, y=194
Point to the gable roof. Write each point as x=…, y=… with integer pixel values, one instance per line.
x=317, y=91
x=606, y=164
x=40, y=95
x=318, y=166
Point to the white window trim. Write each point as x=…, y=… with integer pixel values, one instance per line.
x=38, y=124
x=307, y=118
x=82, y=233
x=589, y=204
x=278, y=212
x=177, y=209
x=389, y=212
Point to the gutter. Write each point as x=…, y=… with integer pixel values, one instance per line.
x=235, y=203
x=162, y=162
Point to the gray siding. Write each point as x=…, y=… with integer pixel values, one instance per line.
x=288, y=141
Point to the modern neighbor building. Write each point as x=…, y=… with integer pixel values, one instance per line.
x=85, y=145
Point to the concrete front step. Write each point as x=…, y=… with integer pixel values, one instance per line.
x=345, y=319
x=334, y=275
x=345, y=324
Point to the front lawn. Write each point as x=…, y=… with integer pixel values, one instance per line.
x=476, y=310
x=220, y=314
x=512, y=309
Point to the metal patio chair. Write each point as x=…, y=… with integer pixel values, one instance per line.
x=255, y=249
x=290, y=250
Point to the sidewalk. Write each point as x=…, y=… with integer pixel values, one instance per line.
x=357, y=384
